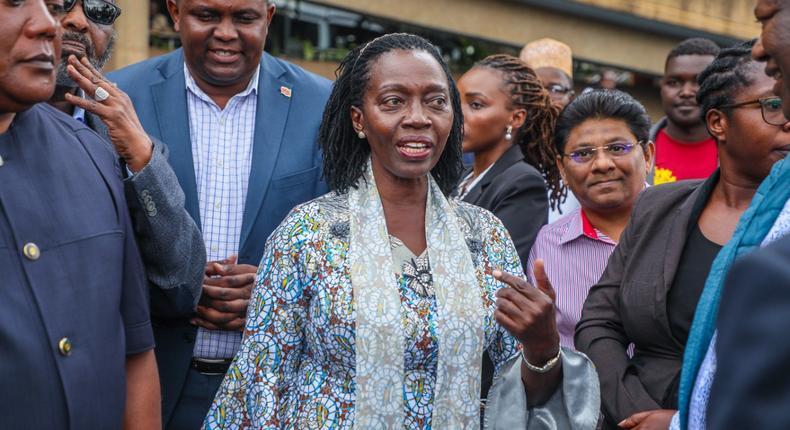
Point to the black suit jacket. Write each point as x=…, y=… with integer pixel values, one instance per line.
x=515, y=192
x=629, y=303
x=751, y=389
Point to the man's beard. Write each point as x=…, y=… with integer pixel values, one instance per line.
x=63, y=78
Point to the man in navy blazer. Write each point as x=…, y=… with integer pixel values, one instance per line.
x=751, y=388
x=241, y=127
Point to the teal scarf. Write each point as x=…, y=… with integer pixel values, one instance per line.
x=752, y=228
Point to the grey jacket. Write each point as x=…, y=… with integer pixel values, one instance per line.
x=575, y=406
x=171, y=244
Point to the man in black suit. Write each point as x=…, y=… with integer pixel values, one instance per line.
x=752, y=385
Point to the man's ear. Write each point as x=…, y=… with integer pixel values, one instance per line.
x=650, y=154
x=172, y=9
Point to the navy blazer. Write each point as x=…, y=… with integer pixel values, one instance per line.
x=286, y=160
x=285, y=170
x=751, y=389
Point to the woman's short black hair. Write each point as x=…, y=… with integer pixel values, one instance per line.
x=602, y=104
x=725, y=76
x=346, y=155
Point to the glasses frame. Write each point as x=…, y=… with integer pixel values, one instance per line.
x=116, y=10
x=629, y=145
x=559, y=89
x=761, y=101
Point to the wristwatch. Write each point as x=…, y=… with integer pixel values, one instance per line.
x=546, y=367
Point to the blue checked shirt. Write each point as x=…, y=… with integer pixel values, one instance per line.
x=222, y=155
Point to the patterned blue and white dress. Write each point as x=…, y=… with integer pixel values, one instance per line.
x=296, y=366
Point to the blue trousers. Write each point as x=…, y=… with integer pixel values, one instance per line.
x=195, y=401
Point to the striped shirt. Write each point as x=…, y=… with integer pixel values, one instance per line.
x=575, y=255
x=222, y=156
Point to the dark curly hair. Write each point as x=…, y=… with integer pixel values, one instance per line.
x=603, y=104
x=535, y=136
x=726, y=75
x=345, y=155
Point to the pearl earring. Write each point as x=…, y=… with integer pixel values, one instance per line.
x=361, y=134
x=509, y=133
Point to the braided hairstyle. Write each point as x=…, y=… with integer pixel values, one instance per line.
x=535, y=136
x=726, y=75
x=345, y=155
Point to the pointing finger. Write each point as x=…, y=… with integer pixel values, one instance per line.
x=543, y=280
x=518, y=284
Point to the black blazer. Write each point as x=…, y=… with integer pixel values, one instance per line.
x=629, y=303
x=515, y=192
x=751, y=389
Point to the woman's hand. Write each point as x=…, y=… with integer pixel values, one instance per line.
x=529, y=314
x=116, y=111
x=659, y=419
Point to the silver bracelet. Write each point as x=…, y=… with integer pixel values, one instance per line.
x=546, y=367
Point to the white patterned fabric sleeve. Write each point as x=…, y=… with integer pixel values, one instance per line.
x=499, y=254
x=256, y=390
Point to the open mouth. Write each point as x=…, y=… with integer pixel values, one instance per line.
x=224, y=55
x=415, y=148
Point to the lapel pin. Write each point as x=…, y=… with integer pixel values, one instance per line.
x=285, y=91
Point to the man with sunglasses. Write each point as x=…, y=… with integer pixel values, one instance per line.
x=241, y=127
x=170, y=242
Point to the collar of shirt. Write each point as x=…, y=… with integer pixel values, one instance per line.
x=580, y=225
x=192, y=86
x=468, y=182
x=79, y=113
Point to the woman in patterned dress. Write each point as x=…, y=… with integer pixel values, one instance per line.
x=374, y=303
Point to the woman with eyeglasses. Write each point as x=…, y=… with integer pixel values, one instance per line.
x=649, y=291
x=604, y=157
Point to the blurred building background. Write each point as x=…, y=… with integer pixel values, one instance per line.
x=629, y=37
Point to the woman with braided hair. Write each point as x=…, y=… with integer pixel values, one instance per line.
x=649, y=292
x=374, y=303
x=508, y=125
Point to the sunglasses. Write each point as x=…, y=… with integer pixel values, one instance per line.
x=98, y=11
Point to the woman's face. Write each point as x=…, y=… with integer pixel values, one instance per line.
x=487, y=109
x=406, y=114
x=606, y=182
x=747, y=143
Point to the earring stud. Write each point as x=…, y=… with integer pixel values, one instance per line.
x=509, y=133
x=361, y=134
